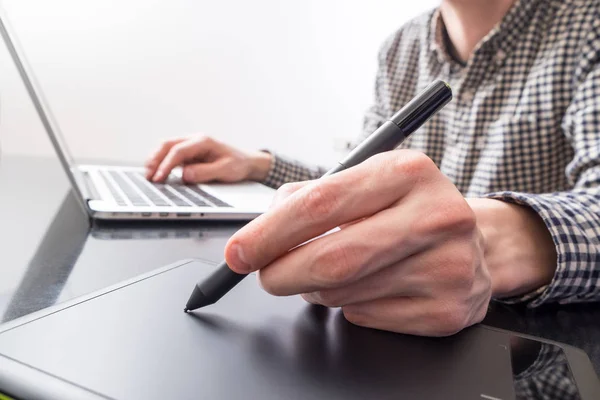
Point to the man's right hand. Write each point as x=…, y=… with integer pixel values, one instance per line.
x=205, y=159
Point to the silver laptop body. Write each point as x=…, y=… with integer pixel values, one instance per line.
x=115, y=192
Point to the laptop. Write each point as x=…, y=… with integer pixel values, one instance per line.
x=118, y=192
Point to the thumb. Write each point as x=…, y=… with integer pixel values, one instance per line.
x=286, y=191
x=202, y=172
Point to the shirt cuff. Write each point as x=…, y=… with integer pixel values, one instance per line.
x=283, y=170
x=575, y=264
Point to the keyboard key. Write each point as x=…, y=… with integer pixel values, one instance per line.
x=178, y=201
x=217, y=202
x=146, y=187
x=114, y=193
x=129, y=191
x=193, y=194
x=197, y=201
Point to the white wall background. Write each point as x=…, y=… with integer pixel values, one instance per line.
x=294, y=76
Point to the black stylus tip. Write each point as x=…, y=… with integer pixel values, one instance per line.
x=185, y=310
x=197, y=300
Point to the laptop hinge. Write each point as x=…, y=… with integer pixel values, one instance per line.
x=87, y=186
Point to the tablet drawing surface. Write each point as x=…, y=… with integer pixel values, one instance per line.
x=135, y=342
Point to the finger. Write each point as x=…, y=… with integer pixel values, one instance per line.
x=344, y=257
x=324, y=204
x=286, y=191
x=366, y=247
x=411, y=315
x=203, y=172
x=392, y=281
x=156, y=158
x=437, y=270
x=180, y=153
x=347, y=224
x=417, y=315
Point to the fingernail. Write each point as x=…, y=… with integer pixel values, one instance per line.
x=158, y=176
x=238, y=262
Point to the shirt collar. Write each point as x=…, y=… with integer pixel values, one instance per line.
x=500, y=40
x=436, y=39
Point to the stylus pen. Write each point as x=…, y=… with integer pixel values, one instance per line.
x=387, y=137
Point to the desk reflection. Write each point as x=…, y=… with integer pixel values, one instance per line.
x=541, y=371
x=575, y=324
x=52, y=263
x=76, y=256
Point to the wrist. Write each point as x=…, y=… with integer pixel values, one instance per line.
x=260, y=164
x=519, y=251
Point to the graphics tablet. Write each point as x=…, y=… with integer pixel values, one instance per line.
x=133, y=341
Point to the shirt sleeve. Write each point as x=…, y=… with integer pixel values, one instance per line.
x=573, y=217
x=284, y=170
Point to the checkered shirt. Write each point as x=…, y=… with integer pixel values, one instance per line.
x=524, y=125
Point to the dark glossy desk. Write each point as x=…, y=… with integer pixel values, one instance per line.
x=49, y=253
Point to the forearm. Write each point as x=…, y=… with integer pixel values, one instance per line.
x=519, y=251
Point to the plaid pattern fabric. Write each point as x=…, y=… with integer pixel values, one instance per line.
x=284, y=170
x=524, y=125
x=548, y=377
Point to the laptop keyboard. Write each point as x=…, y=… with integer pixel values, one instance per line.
x=133, y=186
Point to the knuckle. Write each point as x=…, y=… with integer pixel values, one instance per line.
x=453, y=216
x=319, y=202
x=411, y=163
x=417, y=160
x=335, y=265
x=178, y=149
x=204, y=140
x=406, y=165
x=463, y=217
x=462, y=271
x=452, y=320
x=458, y=268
